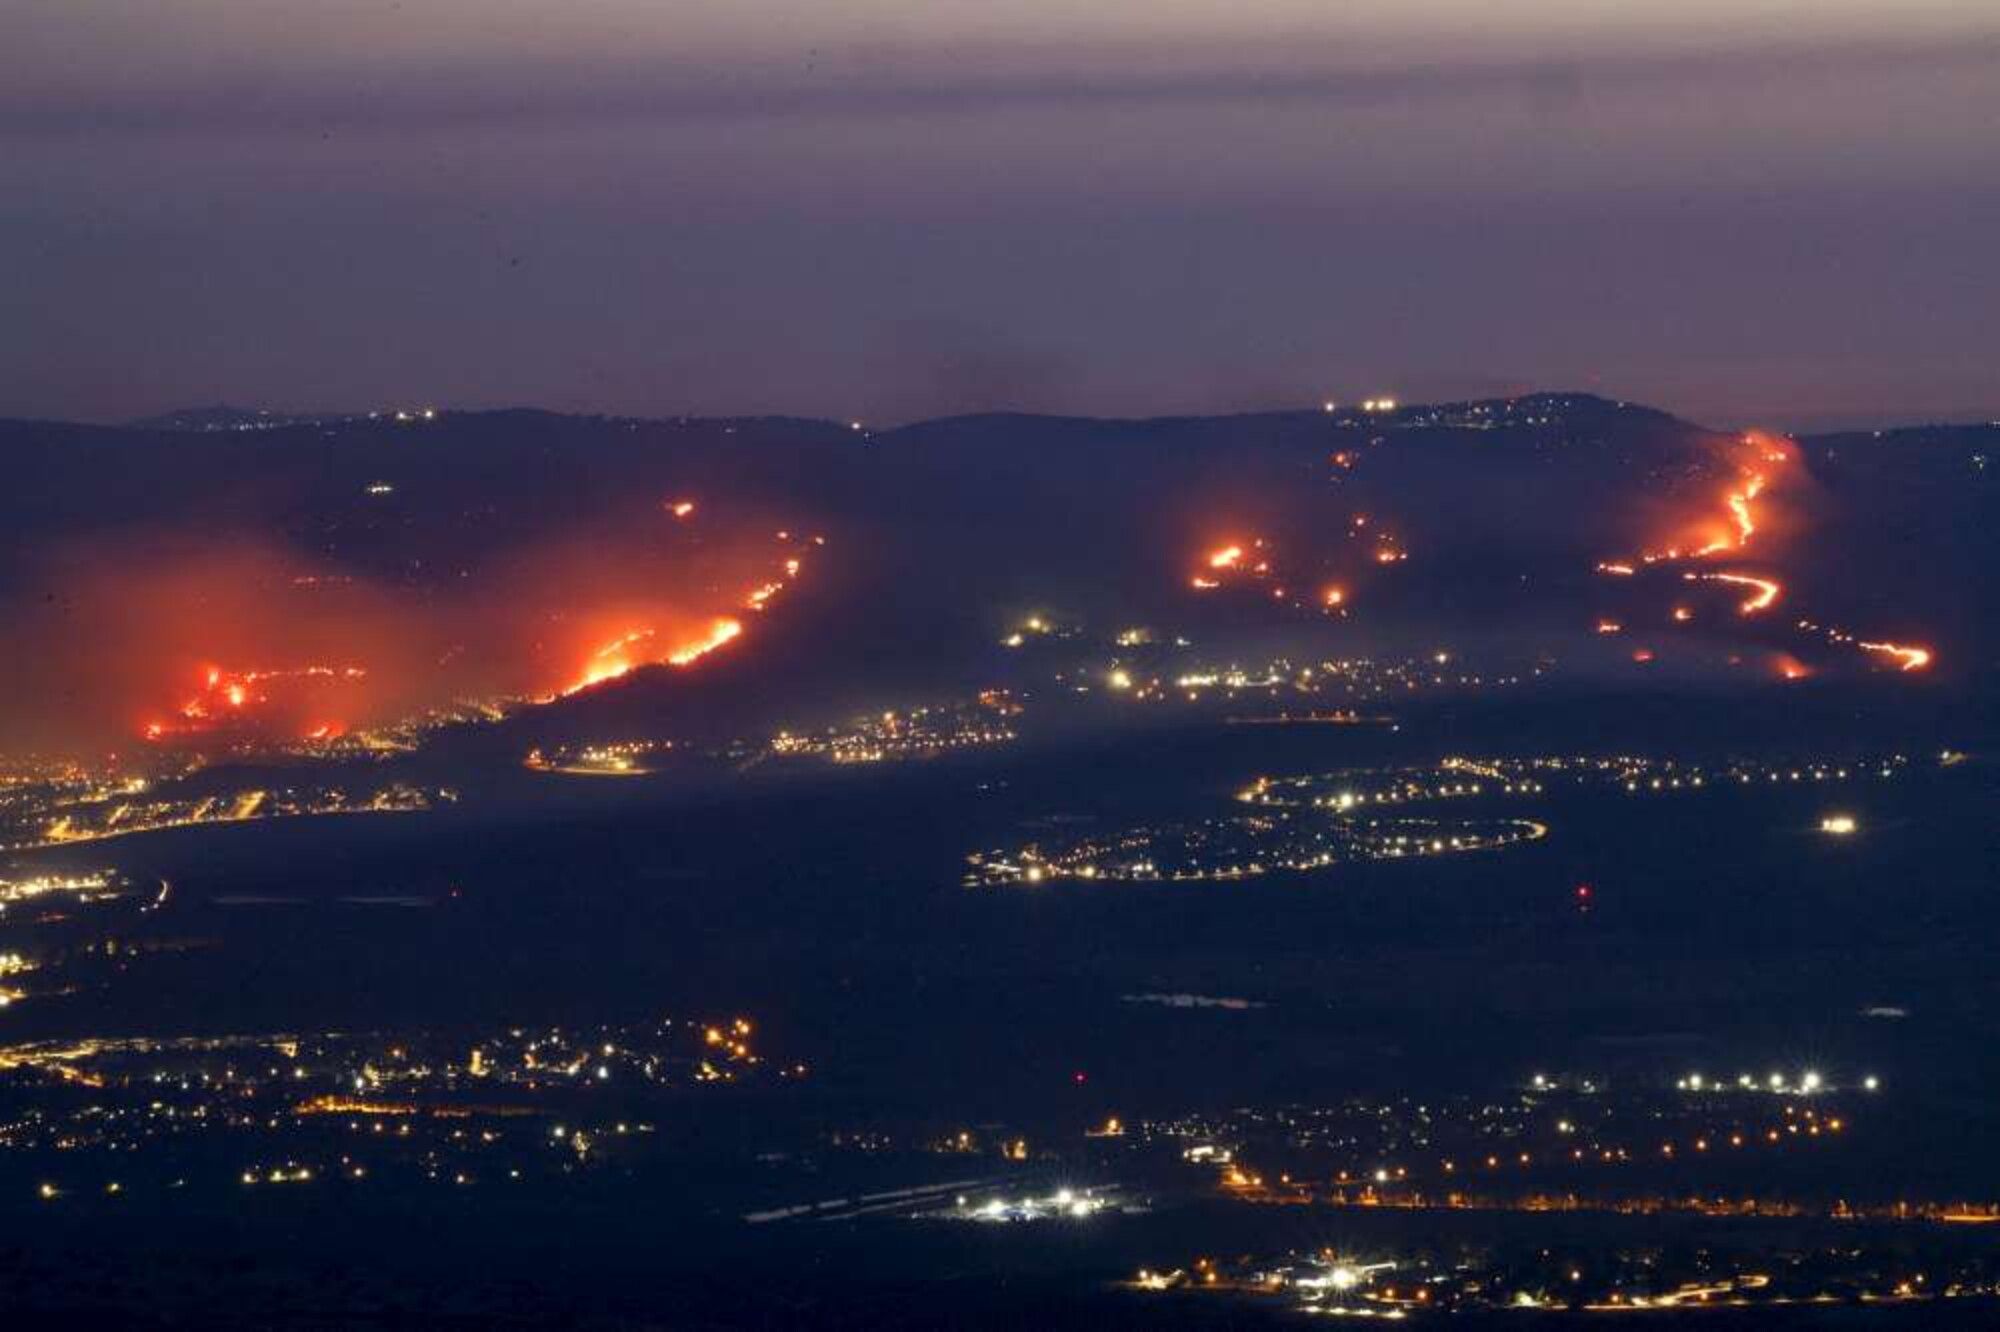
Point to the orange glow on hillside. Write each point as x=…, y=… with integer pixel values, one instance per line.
x=1739, y=507
x=236, y=699
x=1764, y=591
x=1233, y=563
x=1789, y=667
x=641, y=647
x=1909, y=658
x=223, y=642
x=1731, y=529
x=1761, y=462
x=722, y=631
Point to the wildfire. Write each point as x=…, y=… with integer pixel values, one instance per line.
x=633, y=649
x=1739, y=507
x=1740, y=503
x=226, y=697
x=1737, y=502
x=1764, y=592
x=646, y=645
x=1911, y=658
x=1231, y=562
x=719, y=633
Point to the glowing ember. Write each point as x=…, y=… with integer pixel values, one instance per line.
x=1226, y=558
x=680, y=508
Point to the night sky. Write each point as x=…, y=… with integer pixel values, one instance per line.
x=1780, y=212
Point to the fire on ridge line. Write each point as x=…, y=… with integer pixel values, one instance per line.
x=619, y=657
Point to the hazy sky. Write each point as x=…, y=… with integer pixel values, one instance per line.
x=1776, y=212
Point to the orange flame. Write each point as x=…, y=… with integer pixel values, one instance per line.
x=1789, y=667
x=1739, y=507
x=231, y=694
x=1740, y=504
x=1737, y=503
x=1911, y=658
x=1765, y=591
x=621, y=656
x=719, y=633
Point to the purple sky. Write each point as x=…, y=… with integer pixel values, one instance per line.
x=1778, y=213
